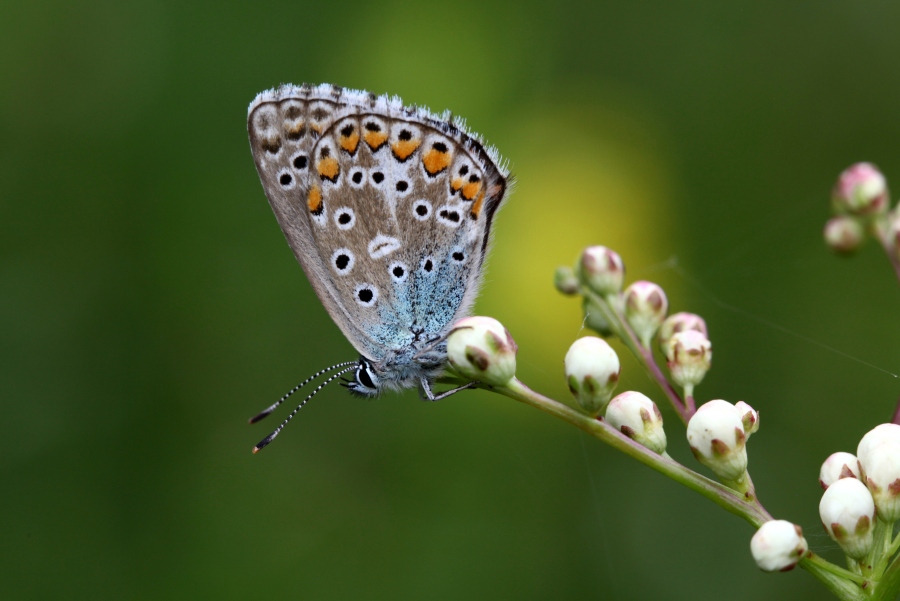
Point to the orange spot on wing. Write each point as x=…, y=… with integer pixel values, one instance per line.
x=329, y=169
x=349, y=143
x=314, y=200
x=296, y=130
x=436, y=161
x=403, y=148
x=477, y=205
x=455, y=185
x=470, y=190
x=375, y=139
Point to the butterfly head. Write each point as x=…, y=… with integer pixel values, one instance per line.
x=365, y=381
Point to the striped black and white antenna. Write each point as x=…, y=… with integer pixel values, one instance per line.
x=343, y=367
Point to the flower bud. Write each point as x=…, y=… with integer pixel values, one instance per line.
x=592, y=371
x=876, y=436
x=602, y=270
x=689, y=354
x=717, y=439
x=749, y=417
x=480, y=348
x=565, y=281
x=594, y=317
x=848, y=511
x=778, y=545
x=837, y=466
x=881, y=473
x=844, y=234
x=679, y=322
x=638, y=418
x=645, y=309
x=860, y=190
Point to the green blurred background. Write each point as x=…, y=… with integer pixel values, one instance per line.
x=149, y=304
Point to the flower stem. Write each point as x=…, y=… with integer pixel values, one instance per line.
x=881, y=230
x=843, y=583
x=748, y=508
x=643, y=354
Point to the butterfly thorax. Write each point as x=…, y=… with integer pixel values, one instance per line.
x=401, y=369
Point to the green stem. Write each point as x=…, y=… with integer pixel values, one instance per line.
x=643, y=354
x=889, y=552
x=843, y=583
x=730, y=500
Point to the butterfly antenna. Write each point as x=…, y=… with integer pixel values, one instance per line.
x=265, y=441
x=271, y=408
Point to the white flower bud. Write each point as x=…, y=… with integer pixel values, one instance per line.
x=844, y=234
x=638, y=418
x=602, y=270
x=594, y=318
x=565, y=280
x=778, y=545
x=838, y=465
x=860, y=190
x=592, y=371
x=749, y=417
x=717, y=439
x=848, y=513
x=875, y=437
x=480, y=348
x=690, y=356
x=679, y=322
x=645, y=309
x=881, y=471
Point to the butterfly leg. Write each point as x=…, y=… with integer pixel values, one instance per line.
x=425, y=389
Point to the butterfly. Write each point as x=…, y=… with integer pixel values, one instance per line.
x=388, y=209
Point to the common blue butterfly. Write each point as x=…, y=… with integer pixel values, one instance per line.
x=388, y=209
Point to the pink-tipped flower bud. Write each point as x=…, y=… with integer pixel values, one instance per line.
x=860, y=190
x=646, y=306
x=879, y=462
x=602, y=270
x=844, y=234
x=838, y=465
x=592, y=372
x=749, y=417
x=689, y=358
x=565, y=280
x=679, y=322
x=638, y=418
x=717, y=439
x=778, y=545
x=480, y=348
x=848, y=513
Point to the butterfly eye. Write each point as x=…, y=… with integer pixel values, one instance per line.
x=365, y=377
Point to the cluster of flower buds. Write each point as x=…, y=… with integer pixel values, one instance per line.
x=481, y=349
x=718, y=433
x=859, y=488
x=859, y=198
